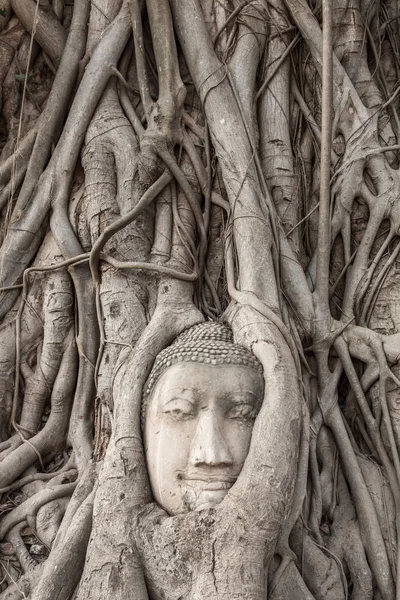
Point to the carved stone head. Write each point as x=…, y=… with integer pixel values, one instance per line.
x=201, y=399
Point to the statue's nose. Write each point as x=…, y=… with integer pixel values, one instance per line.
x=209, y=446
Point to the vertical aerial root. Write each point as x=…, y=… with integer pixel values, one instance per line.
x=283, y=548
x=369, y=524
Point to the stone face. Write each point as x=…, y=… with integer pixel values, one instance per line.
x=197, y=432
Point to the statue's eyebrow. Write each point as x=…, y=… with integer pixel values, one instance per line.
x=178, y=398
x=193, y=400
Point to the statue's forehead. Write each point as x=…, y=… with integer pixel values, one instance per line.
x=195, y=380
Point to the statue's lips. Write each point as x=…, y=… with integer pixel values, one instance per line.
x=209, y=483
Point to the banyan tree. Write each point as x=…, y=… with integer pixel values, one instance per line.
x=199, y=299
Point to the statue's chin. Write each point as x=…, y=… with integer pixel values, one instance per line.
x=209, y=499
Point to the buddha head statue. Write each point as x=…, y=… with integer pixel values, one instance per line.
x=200, y=402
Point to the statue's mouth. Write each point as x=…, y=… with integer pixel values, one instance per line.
x=208, y=482
x=205, y=490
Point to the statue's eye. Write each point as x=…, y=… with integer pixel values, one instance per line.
x=179, y=409
x=243, y=412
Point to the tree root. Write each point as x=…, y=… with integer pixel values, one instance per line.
x=29, y=508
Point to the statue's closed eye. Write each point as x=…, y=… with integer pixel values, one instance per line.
x=243, y=412
x=179, y=409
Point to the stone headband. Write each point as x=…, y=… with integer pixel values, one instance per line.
x=208, y=343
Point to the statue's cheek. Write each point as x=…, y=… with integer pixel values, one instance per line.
x=167, y=450
x=238, y=436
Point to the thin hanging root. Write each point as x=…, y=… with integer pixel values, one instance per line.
x=232, y=16
x=316, y=498
x=369, y=419
x=187, y=190
x=311, y=122
x=9, y=191
x=364, y=283
x=200, y=219
x=324, y=221
x=342, y=273
x=171, y=89
x=274, y=71
x=160, y=269
x=187, y=250
x=122, y=79
x=20, y=155
x=191, y=251
x=193, y=126
x=131, y=114
x=140, y=55
x=377, y=286
x=203, y=176
x=362, y=258
x=147, y=198
x=384, y=374
x=208, y=191
x=213, y=291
